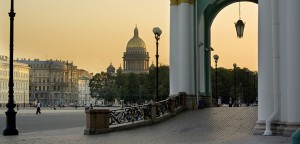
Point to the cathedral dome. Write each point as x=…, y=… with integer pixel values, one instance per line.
x=136, y=41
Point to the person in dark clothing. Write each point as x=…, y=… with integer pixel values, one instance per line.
x=38, y=108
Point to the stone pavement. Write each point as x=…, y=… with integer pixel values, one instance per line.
x=208, y=126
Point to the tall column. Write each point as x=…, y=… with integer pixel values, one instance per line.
x=283, y=60
x=293, y=66
x=174, y=48
x=265, y=82
x=192, y=48
x=201, y=56
x=184, y=47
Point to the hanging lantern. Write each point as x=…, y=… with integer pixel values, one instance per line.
x=239, y=25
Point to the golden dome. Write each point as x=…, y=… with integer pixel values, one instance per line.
x=136, y=41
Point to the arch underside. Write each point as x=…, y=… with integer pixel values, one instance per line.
x=207, y=10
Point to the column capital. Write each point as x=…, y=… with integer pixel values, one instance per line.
x=192, y=2
x=174, y=2
x=184, y=1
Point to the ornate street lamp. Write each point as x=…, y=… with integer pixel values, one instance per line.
x=239, y=25
x=157, y=32
x=216, y=57
x=234, y=75
x=11, y=113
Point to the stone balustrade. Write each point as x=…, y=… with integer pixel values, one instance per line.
x=100, y=120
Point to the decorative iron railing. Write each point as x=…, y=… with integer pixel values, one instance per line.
x=143, y=112
x=130, y=114
x=163, y=107
x=178, y=101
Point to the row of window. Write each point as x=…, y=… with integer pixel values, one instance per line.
x=23, y=85
x=61, y=74
x=40, y=96
x=55, y=79
x=16, y=74
x=17, y=97
x=46, y=88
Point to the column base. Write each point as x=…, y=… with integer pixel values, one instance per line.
x=207, y=101
x=276, y=128
x=290, y=129
x=191, y=102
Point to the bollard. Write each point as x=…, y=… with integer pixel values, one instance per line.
x=296, y=137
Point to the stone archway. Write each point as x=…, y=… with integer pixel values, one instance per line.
x=207, y=15
x=190, y=23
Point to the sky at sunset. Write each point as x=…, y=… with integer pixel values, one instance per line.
x=93, y=33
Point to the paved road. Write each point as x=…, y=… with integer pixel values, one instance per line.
x=207, y=126
x=28, y=121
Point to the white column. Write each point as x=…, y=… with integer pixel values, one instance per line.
x=184, y=48
x=265, y=82
x=174, y=51
x=191, y=49
x=283, y=61
x=201, y=57
x=293, y=65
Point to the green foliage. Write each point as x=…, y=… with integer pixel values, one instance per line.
x=140, y=87
x=130, y=87
x=103, y=86
x=246, y=84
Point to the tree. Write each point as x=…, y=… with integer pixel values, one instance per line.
x=131, y=88
x=102, y=86
x=244, y=88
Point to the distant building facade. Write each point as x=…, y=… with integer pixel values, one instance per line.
x=21, y=82
x=84, y=96
x=52, y=81
x=136, y=57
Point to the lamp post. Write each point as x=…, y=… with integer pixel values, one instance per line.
x=247, y=92
x=234, y=76
x=216, y=57
x=254, y=89
x=140, y=93
x=239, y=25
x=24, y=98
x=11, y=113
x=157, y=32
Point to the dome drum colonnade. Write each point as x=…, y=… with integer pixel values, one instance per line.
x=279, y=77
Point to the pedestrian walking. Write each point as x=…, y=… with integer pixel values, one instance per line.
x=91, y=106
x=38, y=107
x=17, y=107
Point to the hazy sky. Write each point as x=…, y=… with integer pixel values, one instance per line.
x=93, y=33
